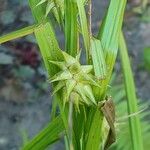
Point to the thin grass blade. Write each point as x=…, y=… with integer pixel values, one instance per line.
x=135, y=126
x=47, y=136
x=38, y=11
x=71, y=28
x=109, y=35
x=48, y=46
x=18, y=34
x=84, y=28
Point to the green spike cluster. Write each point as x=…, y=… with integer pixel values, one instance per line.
x=74, y=79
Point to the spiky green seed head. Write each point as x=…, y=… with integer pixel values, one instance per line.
x=75, y=79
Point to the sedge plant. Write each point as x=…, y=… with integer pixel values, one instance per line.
x=86, y=117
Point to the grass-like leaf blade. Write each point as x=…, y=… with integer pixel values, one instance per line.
x=48, y=46
x=17, y=34
x=71, y=28
x=109, y=36
x=47, y=136
x=98, y=59
x=84, y=27
x=134, y=122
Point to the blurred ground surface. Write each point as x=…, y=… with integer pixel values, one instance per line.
x=24, y=93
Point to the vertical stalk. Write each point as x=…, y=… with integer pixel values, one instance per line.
x=84, y=27
x=90, y=30
x=134, y=122
x=71, y=28
x=54, y=108
x=90, y=17
x=70, y=125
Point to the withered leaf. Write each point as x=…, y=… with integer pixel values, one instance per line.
x=108, y=110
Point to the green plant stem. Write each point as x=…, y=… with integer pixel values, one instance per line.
x=134, y=122
x=70, y=125
x=90, y=30
x=94, y=122
x=66, y=142
x=54, y=108
x=90, y=17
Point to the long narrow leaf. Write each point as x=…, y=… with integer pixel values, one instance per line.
x=98, y=59
x=98, y=63
x=123, y=133
x=18, y=34
x=71, y=28
x=84, y=27
x=47, y=136
x=38, y=11
x=109, y=35
x=48, y=46
x=135, y=127
x=49, y=49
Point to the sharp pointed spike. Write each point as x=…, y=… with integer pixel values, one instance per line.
x=62, y=75
x=89, y=93
x=80, y=91
x=61, y=65
x=90, y=80
x=87, y=68
x=70, y=84
x=78, y=56
x=69, y=59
